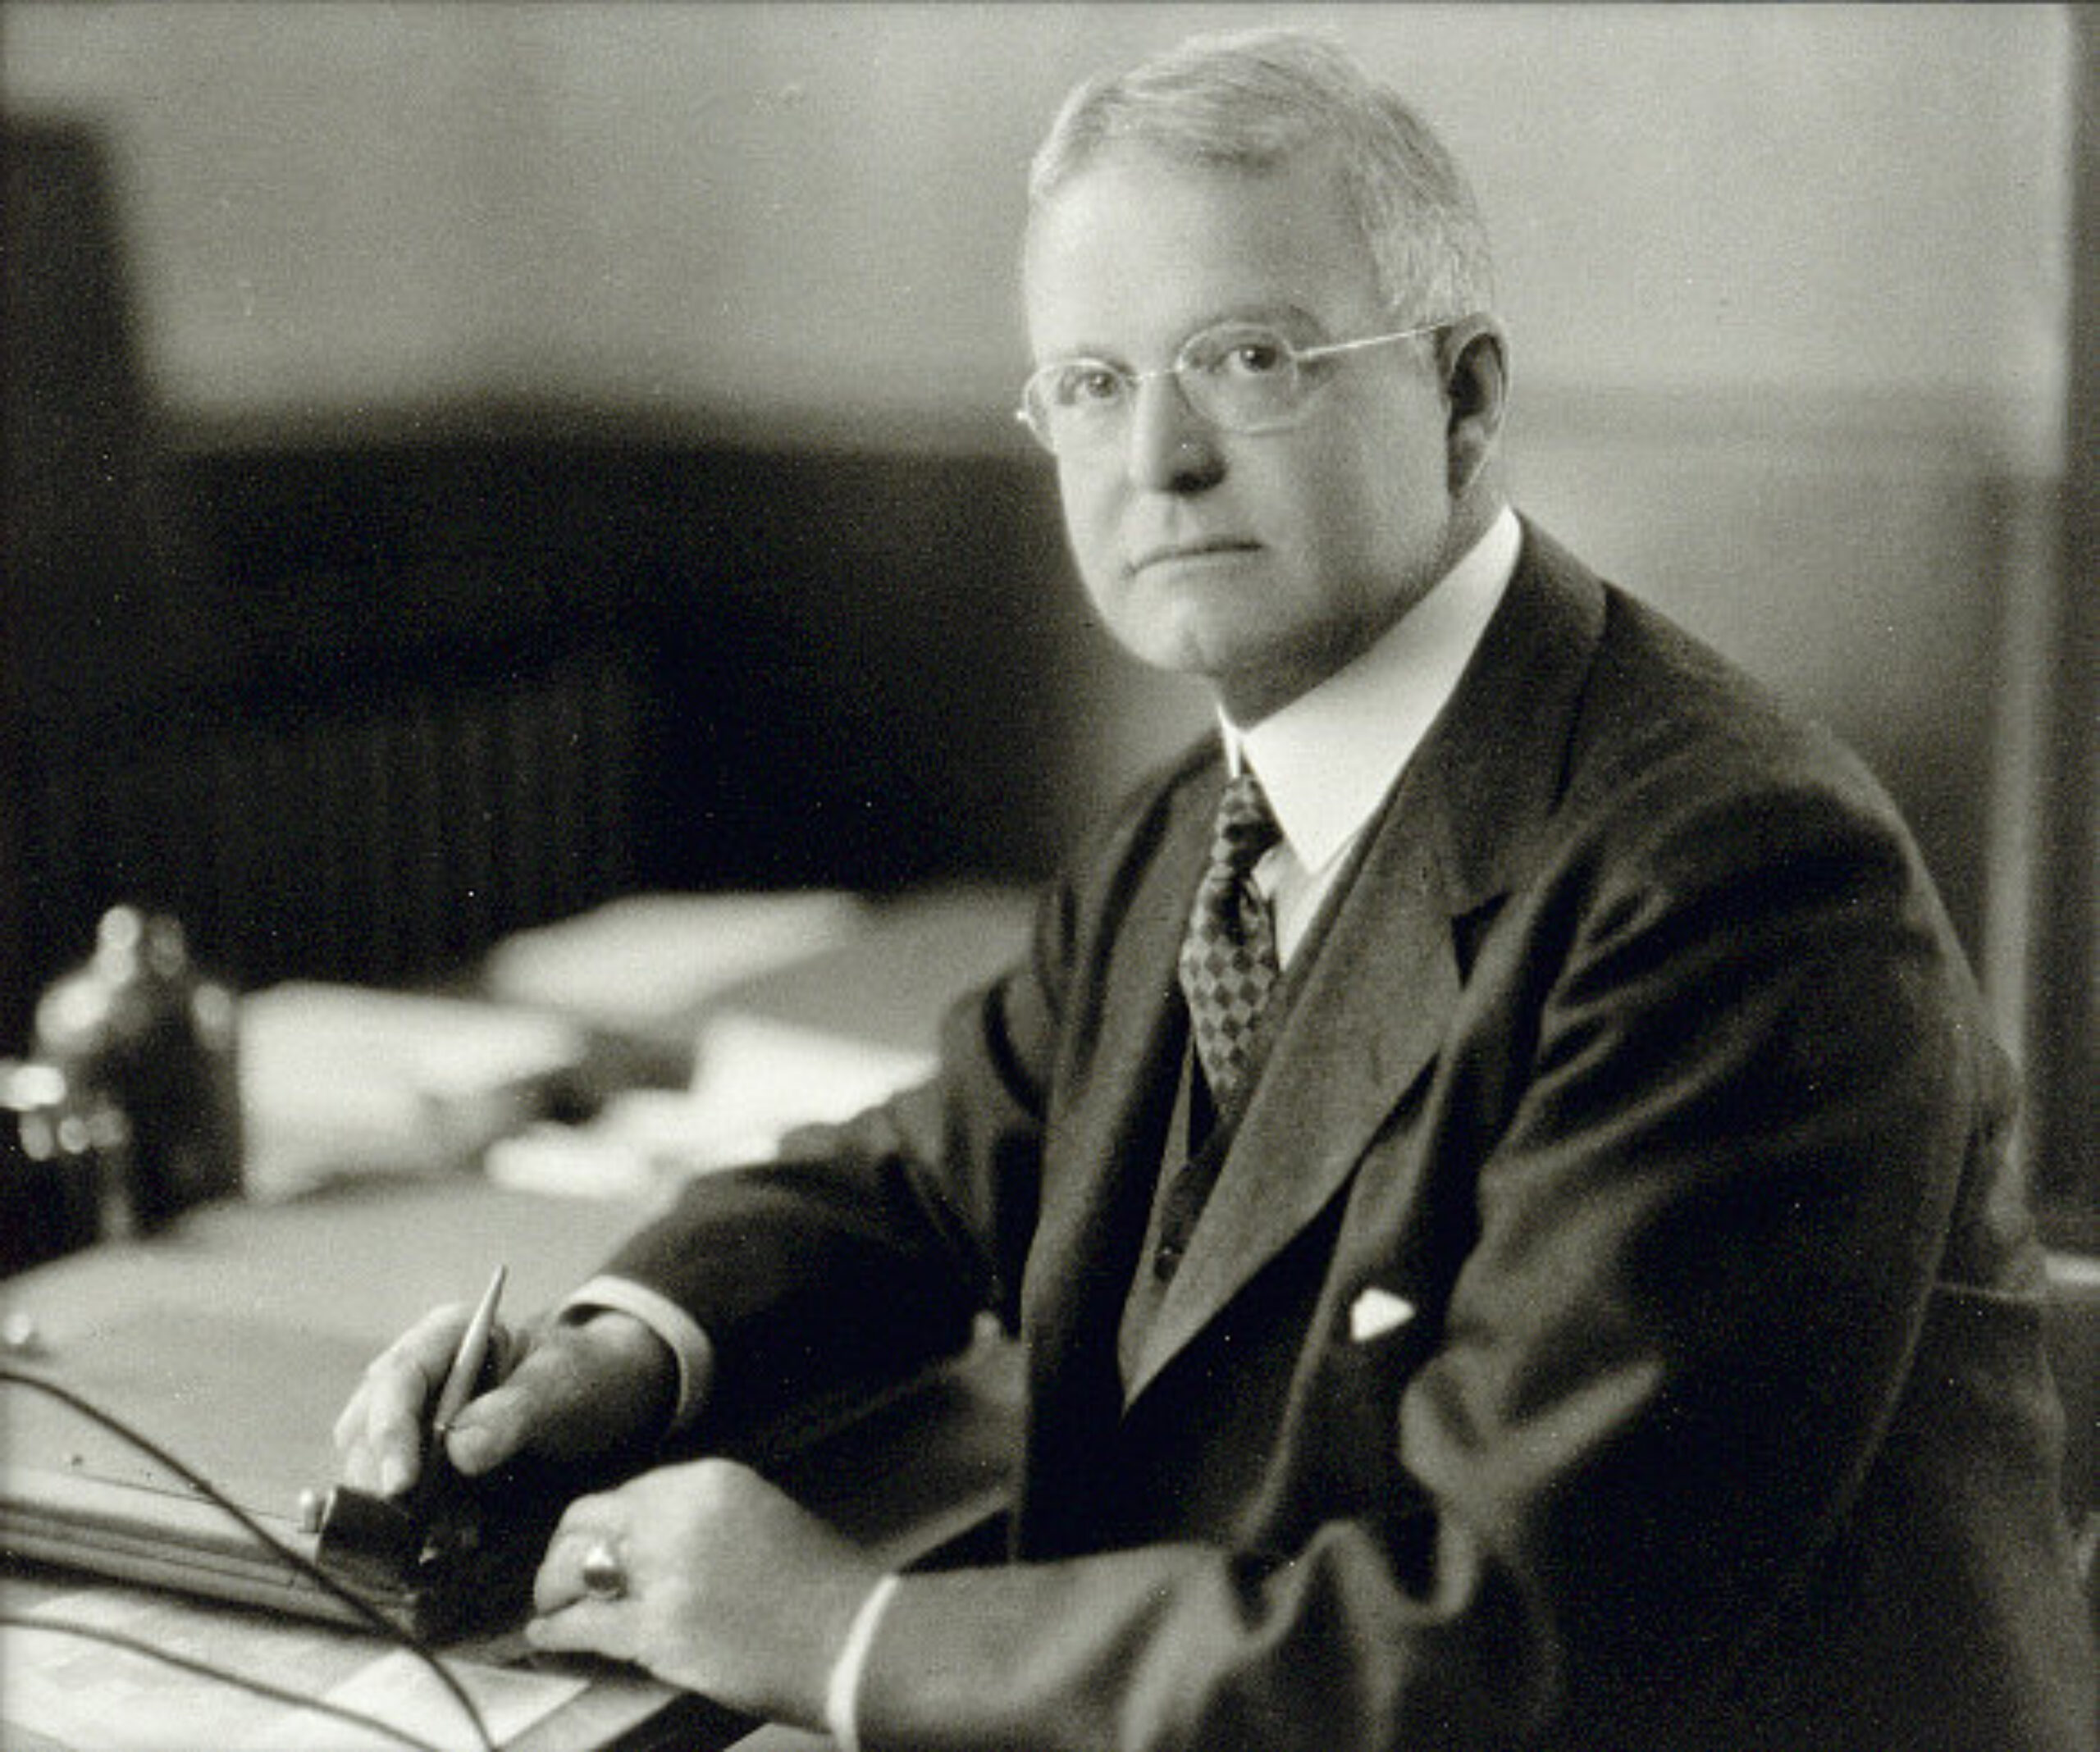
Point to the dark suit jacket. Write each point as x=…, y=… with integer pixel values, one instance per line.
x=1639, y=1071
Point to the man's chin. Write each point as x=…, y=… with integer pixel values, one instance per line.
x=1248, y=679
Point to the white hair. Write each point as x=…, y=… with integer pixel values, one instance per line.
x=1254, y=101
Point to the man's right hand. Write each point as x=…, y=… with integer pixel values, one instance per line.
x=573, y=1388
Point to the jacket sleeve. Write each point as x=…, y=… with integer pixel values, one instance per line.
x=1728, y=1076
x=870, y=1246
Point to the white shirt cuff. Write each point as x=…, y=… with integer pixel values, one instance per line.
x=689, y=1345
x=842, y=1696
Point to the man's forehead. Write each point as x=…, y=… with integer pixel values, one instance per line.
x=1142, y=181
x=1135, y=237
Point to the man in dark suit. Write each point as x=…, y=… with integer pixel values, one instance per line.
x=1495, y=1160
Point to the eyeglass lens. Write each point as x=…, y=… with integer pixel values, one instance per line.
x=1239, y=377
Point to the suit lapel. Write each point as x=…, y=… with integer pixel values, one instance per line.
x=1100, y=1179
x=1364, y=1023
x=1132, y=1059
x=1374, y=1009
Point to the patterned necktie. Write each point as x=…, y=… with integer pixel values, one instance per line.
x=1229, y=956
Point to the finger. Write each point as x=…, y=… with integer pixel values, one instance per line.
x=559, y=1581
x=490, y=1429
x=586, y=1627
x=380, y=1445
x=380, y=1434
x=538, y=1401
x=379, y=1424
x=355, y=1464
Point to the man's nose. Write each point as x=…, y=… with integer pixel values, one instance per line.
x=1173, y=448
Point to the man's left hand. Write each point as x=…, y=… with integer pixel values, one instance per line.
x=726, y=1586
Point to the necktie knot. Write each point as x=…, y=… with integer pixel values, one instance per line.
x=1245, y=828
x=1229, y=962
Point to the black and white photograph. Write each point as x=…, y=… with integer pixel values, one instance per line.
x=1049, y=876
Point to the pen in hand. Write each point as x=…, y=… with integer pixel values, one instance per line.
x=465, y=1376
x=378, y=1540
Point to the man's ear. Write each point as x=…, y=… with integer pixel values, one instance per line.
x=1474, y=355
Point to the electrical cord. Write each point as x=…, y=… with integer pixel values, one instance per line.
x=328, y=1584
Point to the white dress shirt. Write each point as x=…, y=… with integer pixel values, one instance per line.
x=1328, y=759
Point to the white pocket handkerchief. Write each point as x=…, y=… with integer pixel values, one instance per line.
x=1377, y=1311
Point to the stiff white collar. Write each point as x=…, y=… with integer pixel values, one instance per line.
x=1328, y=758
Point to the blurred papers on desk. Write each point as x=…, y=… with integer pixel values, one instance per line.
x=343, y=1079
x=650, y=961
x=755, y=1080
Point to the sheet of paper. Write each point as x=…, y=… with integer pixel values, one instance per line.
x=340, y=1078
x=399, y=1689
x=651, y=959
x=86, y=1695
x=755, y=1080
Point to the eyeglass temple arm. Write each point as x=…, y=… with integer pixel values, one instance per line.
x=1332, y=347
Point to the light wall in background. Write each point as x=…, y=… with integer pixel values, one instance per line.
x=799, y=206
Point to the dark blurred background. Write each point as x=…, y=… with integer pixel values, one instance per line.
x=466, y=462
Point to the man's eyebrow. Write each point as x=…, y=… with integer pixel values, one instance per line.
x=1285, y=316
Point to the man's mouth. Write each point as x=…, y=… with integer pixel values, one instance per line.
x=1168, y=552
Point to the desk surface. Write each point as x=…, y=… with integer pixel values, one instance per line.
x=294, y=1289
x=321, y=1282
